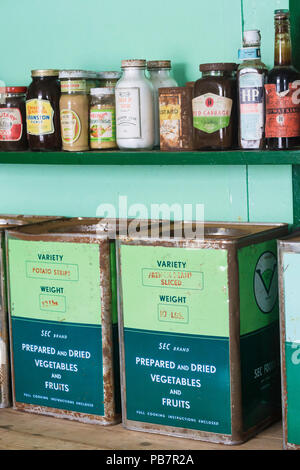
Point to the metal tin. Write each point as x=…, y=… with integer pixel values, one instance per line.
x=198, y=319
x=288, y=273
x=65, y=334
x=8, y=222
x=176, y=118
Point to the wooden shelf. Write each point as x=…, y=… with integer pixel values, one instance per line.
x=154, y=157
x=27, y=431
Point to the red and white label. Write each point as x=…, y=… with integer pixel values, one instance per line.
x=10, y=124
x=282, y=112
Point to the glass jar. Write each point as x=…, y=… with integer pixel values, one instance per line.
x=108, y=79
x=74, y=110
x=42, y=111
x=160, y=77
x=102, y=118
x=214, y=107
x=13, y=118
x=134, y=107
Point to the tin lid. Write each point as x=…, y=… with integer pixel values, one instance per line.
x=109, y=75
x=158, y=64
x=13, y=89
x=222, y=66
x=138, y=63
x=251, y=38
x=72, y=74
x=45, y=73
x=102, y=91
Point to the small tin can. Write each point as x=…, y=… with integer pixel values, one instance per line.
x=202, y=359
x=176, y=118
x=8, y=222
x=289, y=271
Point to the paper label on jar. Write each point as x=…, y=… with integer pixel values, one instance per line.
x=73, y=85
x=251, y=94
x=211, y=112
x=128, y=113
x=102, y=125
x=39, y=117
x=10, y=124
x=70, y=126
x=282, y=112
x=170, y=119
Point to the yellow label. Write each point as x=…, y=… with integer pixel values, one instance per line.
x=39, y=117
x=170, y=111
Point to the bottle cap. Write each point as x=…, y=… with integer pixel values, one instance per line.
x=45, y=73
x=281, y=14
x=109, y=75
x=223, y=66
x=137, y=63
x=13, y=89
x=158, y=64
x=251, y=38
x=102, y=91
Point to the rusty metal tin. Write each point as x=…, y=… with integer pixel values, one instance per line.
x=288, y=274
x=8, y=222
x=176, y=118
x=197, y=320
x=70, y=346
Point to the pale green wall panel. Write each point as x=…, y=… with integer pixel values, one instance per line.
x=77, y=191
x=270, y=193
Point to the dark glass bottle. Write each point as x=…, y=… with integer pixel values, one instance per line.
x=282, y=112
x=42, y=111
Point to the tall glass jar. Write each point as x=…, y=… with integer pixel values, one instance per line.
x=102, y=118
x=74, y=110
x=42, y=111
x=134, y=107
x=160, y=77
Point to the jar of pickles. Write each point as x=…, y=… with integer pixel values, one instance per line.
x=102, y=118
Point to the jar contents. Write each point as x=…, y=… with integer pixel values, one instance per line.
x=251, y=78
x=176, y=118
x=42, y=111
x=213, y=107
x=102, y=118
x=160, y=76
x=74, y=110
x=134, y=107
x=13, y=118
x=108, y=79
x=282, y=111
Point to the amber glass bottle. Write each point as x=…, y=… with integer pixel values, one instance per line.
x=282, y=110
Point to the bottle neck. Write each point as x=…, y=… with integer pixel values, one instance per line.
x=159, y=73
x=134, y=72
x=283, y=46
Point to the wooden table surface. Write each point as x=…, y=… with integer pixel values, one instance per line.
x=27, y=431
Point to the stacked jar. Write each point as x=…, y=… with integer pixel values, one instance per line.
x=134, y=107
x=160, y=77
x=74, y=110
x=13, y=118
x=102, y=118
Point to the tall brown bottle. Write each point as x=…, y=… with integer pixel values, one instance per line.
x=282, y=107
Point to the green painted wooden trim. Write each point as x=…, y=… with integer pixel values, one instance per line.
x=296, y=195
x=155, y=157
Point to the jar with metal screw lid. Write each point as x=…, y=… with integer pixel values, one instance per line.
x=102, y=118
x=13, y=118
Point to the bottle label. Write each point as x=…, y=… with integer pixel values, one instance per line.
x=170, y=120
x=102, y=125
x=251, y=94
x=39, y=117
x=247, y=53
x=70, y=126
x=282, y=112
x=78, y=86
x=10, y=124
x=211, y=112
x=128, y=113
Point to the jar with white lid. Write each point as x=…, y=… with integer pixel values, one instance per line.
x=134, y=107
x=74, y=110
x=160, y=76
x=102, y=118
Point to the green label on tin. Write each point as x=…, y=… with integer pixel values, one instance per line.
x=56, y=324
x=259, y=327
x=176, y=337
